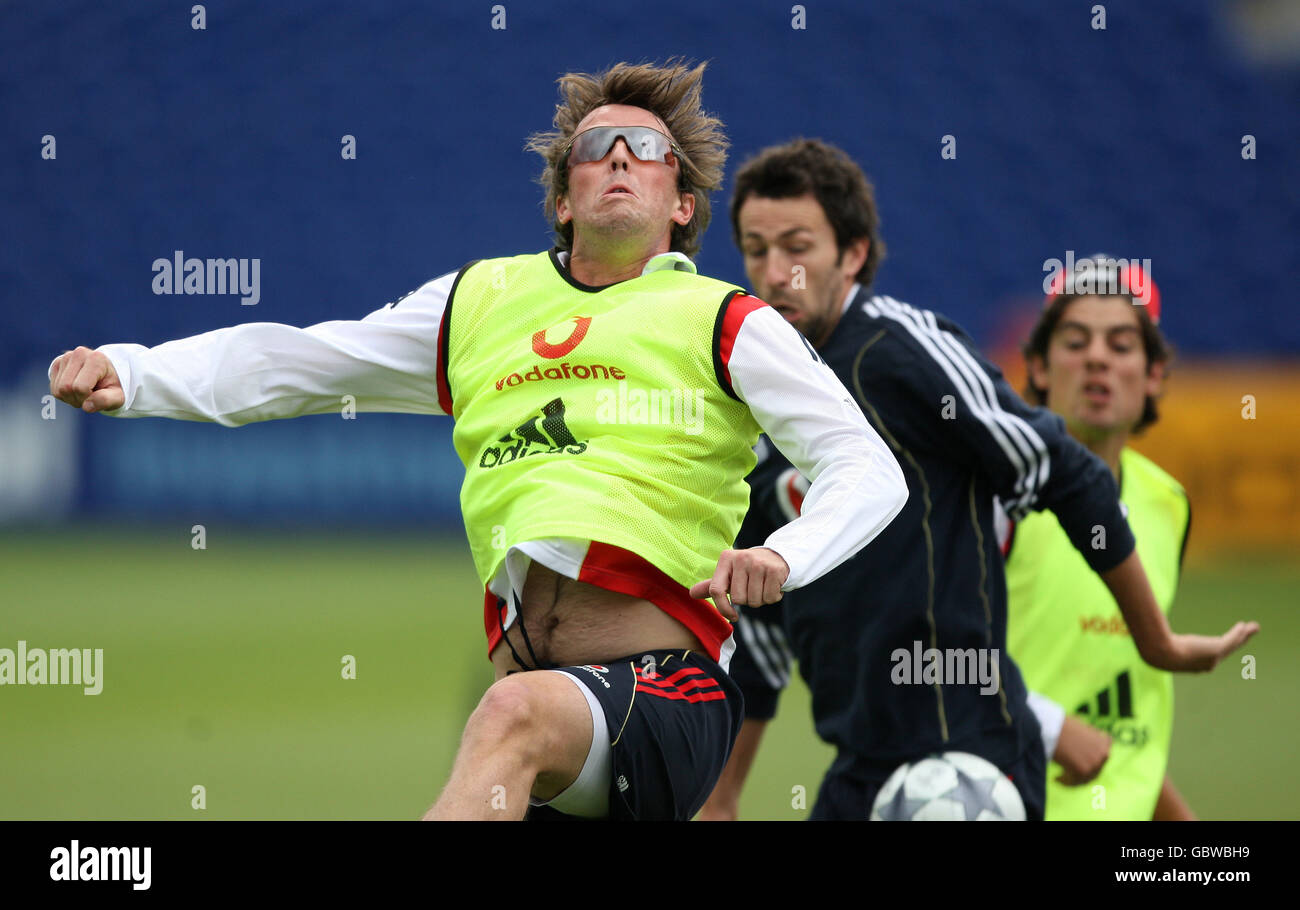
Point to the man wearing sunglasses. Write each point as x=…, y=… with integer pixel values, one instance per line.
x=606, y=400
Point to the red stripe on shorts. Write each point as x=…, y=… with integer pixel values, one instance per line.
x=678, y=696
x=682, y=687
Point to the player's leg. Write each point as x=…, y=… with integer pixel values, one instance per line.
x=675, y=737
x=724, y=802
x=530, y=735
x=760, y=667
x=670, y=720
x=588, y=796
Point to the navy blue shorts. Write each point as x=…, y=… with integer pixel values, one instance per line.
x=845, y=796
x=673, y=717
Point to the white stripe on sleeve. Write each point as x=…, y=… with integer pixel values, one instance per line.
x=1024, y=449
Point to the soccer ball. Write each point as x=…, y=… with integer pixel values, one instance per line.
x=954, y=786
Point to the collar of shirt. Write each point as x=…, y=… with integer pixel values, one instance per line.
x=853, y=292
x=677, y=261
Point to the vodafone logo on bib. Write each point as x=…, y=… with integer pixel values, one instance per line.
x=544, y=348
x=576, y=326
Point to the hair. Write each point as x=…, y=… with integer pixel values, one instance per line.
x=672, y=93
x=1154, y=343
x=805, y=166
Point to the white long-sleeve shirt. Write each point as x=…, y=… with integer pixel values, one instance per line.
x=389, y=362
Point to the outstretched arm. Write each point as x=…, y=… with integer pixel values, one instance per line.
x=1034, y=463
x=387, y=361
x=1155, y=641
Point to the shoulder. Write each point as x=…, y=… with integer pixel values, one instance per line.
x=737, y=305
x=1148, y=486
x=913, y=321
x=1147, y=483
x=765, y=332
x=704, y=282
x=1149, y=475
x=497, y=265
x=432, y=295
x=480, y=282
x=909, y=342
x=727, y=304
x=911, y=328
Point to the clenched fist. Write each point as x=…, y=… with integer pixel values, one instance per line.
x=86, y=379
x=1081, y=751
x=753, y=577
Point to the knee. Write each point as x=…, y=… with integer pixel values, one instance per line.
x=509, y=712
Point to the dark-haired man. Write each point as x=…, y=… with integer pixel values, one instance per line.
x=1098, y=359
x=596, y=530
x=932, y=583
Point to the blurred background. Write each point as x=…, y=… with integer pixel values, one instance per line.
x=128, y=134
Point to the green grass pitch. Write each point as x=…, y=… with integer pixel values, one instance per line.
x=223, y=669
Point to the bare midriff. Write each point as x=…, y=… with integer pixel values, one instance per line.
x=571, y=623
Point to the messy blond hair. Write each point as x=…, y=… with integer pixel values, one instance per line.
x=670, y=92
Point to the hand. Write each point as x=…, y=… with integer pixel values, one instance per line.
x=1200, y=653
x=750, y=577
x=1081, y=752
x=86, y=379
x=1156, y=642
